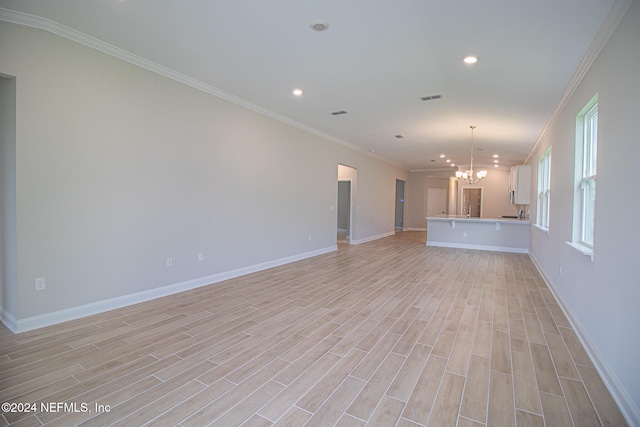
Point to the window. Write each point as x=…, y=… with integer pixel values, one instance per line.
x=544, y=190
x=586, y=160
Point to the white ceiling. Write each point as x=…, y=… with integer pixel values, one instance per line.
x=376, y=60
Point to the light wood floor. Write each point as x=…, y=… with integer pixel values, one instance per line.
x=384, y=333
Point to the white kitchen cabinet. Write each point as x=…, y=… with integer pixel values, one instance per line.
x=520, y=185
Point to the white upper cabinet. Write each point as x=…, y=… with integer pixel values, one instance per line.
x=520, y=185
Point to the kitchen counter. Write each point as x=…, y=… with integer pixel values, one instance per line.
x=492, y=234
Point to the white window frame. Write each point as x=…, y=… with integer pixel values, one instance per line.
x=544, y=190
x=589, y=170
x=585, y=178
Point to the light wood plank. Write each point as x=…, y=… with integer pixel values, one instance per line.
x=545, y=370
x=556, y=412
x=501, y=404
x=424, y=394
x=524, y=384
x=561, y=357
x=337, y=403
x=582, y=411
x=476, y=390
x=447, y=404
x=406, y=379
x=501, y=352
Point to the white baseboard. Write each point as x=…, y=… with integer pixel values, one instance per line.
x=9, y=320
x=48, y=319
x=627, y=406
x=479, y=247
x=369, y=239
x=415, y=229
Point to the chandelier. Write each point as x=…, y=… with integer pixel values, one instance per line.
x=467, y=175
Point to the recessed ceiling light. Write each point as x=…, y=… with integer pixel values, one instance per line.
x=319, y=25
x=495, y=166
x=448, y=160
x=442, y=156
x=496, y=161
x=495, y=156
x=471, y=59
x=297, y=92
x=452, y=164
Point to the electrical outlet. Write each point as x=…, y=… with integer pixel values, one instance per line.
x=169, y=262
x=201, y=256
x=40, y=284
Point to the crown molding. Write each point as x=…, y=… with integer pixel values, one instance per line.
x=94, y=43
x=607, y=28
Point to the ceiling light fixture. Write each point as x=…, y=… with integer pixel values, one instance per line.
x=471, y=59
x=319, y=25
x=468, y=174
x=297, y=92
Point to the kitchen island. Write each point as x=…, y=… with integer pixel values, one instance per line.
x=489, y=234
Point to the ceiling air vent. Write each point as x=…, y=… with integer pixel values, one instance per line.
x=338, y=113
x=399, y=136
x=431, y=97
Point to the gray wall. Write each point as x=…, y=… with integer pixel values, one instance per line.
x=601, y=295
x=119, y=168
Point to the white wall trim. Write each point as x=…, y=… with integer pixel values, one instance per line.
x=9, y=320
x=40, y=321
x=369, y=239
x=416, y=229
x=87, y=40
x=479, y=247
x=628, y=408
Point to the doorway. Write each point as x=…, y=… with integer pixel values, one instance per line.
x=472, y=202
x=399, y=224
x=347, y=185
